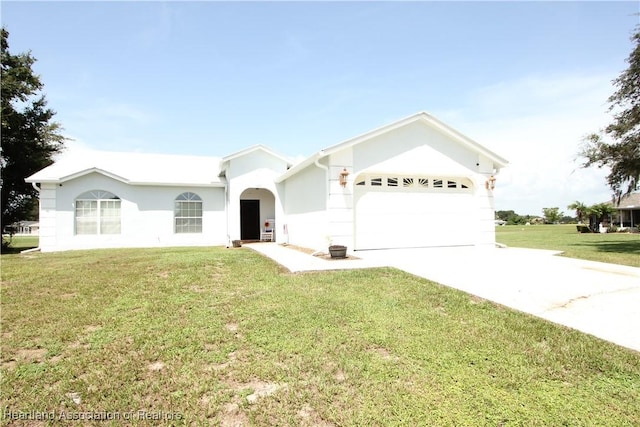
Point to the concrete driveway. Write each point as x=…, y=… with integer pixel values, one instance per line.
x=596, y=298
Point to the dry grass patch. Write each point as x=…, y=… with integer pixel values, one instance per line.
x=309, y=417
x=228, y=339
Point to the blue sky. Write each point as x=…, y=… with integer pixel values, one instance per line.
x=526, y=79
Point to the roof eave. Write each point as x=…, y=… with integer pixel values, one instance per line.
x=34, y=178
x=300, y=166
x=180, y=184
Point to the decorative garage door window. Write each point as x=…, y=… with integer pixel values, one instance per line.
x=188, y=213
x=413, y=183
x=97, y=212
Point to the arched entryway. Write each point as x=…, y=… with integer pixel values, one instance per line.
x=256, y=206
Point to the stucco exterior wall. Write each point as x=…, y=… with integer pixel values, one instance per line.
x=305, y=208
x=48, y=217
x=147, y=217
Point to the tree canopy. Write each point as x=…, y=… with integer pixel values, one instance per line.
x=552, y=215
x=622, y=152
x=29, y=136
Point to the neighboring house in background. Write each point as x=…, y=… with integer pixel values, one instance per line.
x=628, y=211
x=25, y=227
x=413, y=183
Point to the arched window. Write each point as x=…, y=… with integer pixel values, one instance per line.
x=97, y=212
x=188, y=213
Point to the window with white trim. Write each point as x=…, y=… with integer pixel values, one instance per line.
x=97, y=212
x=188, y=213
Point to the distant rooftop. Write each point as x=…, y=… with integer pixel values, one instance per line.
x=630, y=201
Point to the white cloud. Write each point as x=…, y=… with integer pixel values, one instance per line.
x=108, y=125
x=158, y=26
x=72, y=146
x=110, y=111
x=538, y=124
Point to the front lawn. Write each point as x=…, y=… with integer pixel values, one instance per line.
x=213, y=336
x=616, y=248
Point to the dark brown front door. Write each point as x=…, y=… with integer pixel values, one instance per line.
x=250, y=219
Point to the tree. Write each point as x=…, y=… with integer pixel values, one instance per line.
x=622, y=154
x=29, y=136
x=552, y=215
x=580, y=208
x=509, y=216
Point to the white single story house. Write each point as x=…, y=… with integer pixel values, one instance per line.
x=412, y=183
x=25, y=228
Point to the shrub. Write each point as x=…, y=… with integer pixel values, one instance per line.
x=583, y=228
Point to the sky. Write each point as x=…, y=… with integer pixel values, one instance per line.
x=528, y=80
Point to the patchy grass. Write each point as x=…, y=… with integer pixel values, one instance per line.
x=224, y=337
x=616, y=248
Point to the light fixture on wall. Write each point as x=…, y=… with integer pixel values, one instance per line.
x=490, y=184
x=343, y=177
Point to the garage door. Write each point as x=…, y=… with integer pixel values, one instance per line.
x=413, y=211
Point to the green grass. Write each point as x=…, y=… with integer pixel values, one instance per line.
x=616, y=248
x=201, y=332
x=20, y=243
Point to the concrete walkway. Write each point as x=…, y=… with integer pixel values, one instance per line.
x=597, y=298
x=296, y=261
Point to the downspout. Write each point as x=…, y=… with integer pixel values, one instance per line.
x=36, y=249
x=226, y=208
x=226, y=211
x=326, y=180
x=320, y=165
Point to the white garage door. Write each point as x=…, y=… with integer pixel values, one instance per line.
x=413, y=211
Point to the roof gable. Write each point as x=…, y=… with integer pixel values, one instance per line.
x=254, y=148
x=422, y=117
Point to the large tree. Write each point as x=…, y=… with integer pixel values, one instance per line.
x=621, y=150
x=29, y=136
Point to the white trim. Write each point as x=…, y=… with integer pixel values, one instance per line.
x=258, y=147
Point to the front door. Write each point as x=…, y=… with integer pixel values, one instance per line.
x=250, y=219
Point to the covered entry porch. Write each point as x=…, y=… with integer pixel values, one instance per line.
x=257, y=210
